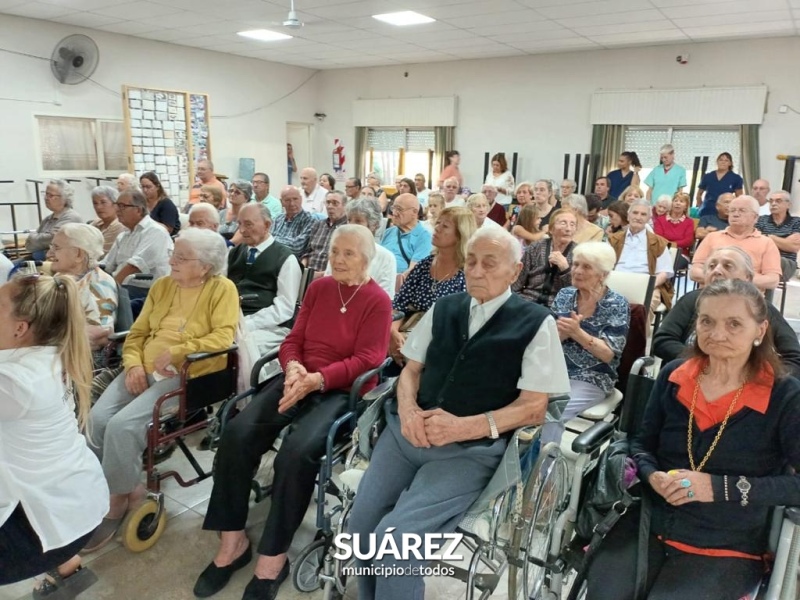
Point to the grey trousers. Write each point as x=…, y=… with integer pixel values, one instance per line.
x=417, y=491
x=789, y=267
x=118, y=430
x=582, y=396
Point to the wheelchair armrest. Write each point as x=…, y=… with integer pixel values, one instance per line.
x=355, y=391
x=247, y=298
x=591, y=439
x=398, y=315
x=793, y=514
x=641, y=363
x=118, y=336
x=197, y=356
x=144, y=276
x=387, y=387
x=259, y=364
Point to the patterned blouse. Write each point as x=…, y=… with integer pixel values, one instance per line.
x=99, y=298
x=420, y=290
x=609, y=323
x=534, y=282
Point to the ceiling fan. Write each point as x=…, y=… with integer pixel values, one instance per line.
x=292, y=21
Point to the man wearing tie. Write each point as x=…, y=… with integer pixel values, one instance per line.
x=267, y=276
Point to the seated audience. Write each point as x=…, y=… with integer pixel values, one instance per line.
x=597, y=216
x=677, y=330
x=545, y=201
x=585, y=231
x=327, y=181
x=523, y=195
x=592, y=323
x=368, y=192
x=52, y=491
x=435, y=276
x=127, y=182
x=382, y=269
x=422, y=192
x=342, y=331
x=479, y=205
x=239, y=194
x=457, y=404
x=642, y=251
x=313, y=195
x=315, y=255
x=144, y=248
x=675, y=225
x=104, y=200
x=435, y=208
x=407, y=238
x=212, y=195
x=497, y=211
x=626, y=175
x=403, y=185
x=159, y=205
x=741, y=231
x=527, y=222
x=568, y=187
x=450, y=190
x=631, y=194
x=266, y=269
x=760, y=191
x=75, y=250
x=602, y=188
x=501, y=179
x=58, y=198
x=204, y=216
x=546, y=264
x=617, y=217
x=352, y=189
x=661, y=207
x=721, y=181
x=717, y=221
x=260, y=193
x=293, y=226
x=194, y=309
x=373, y=181
x=204, y=172
x=711, y=504
x=783, y=229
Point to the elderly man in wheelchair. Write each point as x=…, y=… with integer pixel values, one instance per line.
x=480, y=365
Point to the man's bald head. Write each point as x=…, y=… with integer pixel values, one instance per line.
x=760, y=191
x=308, y=179
x=291, y=200
x=405, y=211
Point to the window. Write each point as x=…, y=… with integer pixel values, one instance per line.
x=688, y=142
x=396, y=152
x=70, y=145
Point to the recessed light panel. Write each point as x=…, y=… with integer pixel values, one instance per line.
x=406, y=17
x=264, y=35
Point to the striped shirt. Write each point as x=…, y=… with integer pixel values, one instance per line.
x=317, y=248
x=790, y=225
x=293, y=233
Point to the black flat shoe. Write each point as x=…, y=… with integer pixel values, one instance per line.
x=265, y=589
x=214, y=578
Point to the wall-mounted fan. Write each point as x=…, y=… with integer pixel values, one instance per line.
x=74, y=59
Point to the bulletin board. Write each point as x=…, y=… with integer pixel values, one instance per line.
x=168, y=132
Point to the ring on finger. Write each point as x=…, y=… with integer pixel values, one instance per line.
x=686, y=483
x=690, y=494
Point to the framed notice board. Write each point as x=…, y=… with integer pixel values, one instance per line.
x=168, y=132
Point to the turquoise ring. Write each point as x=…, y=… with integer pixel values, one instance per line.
x=690, y=494
x=686, y=483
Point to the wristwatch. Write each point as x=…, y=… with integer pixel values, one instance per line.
x=744, y=487
x=493, y=433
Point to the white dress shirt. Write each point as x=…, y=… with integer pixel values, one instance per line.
x=544, y=369
x=383, y=269
x=763, y=209
x=147, y=248
x=315, y=201
x=265, y=324
x=633, y=258
x=45, y=463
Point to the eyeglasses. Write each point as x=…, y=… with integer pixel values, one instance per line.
x=123, y=206
x=738, y=211
x=257, y=182
x=46, y=195
x=398, y=209
x=234, y=193
x=178, y=258
x=776, y=200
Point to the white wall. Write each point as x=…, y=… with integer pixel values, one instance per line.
x=539, y=105
x=234, y=84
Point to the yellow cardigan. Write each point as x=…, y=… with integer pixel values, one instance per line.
x=211, y=326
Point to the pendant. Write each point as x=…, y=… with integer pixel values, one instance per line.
x=343, y=310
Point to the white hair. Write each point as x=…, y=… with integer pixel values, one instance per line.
x=499, y=235
x=105, y=191
x=366, y=239
x=205, y=207
x=67, y=191
x=668, y=148
x=210, y=248
x=751, y=202
x=598, y=254
x=578, y=203
x=664, y=198
x=130, y=181
x=640, y=202
x=86, y=238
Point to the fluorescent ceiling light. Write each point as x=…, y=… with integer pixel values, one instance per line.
x=264, y=35
x=406, y=17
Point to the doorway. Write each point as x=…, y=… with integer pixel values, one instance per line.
x=299, y=136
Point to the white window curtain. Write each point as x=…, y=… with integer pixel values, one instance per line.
x=115, y=153
x=68, y=144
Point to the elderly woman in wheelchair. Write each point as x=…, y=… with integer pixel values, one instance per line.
x=341, y=331
x=194, y=309
x=592, y=323
x=458, y=401
x=718, y=447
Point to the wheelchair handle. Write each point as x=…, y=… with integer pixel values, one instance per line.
x=259, y=364
x=641, y=363
x=355, y=390
x=197, y=356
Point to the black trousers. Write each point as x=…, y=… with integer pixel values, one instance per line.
x=671, y=574
x=21, y=552
x=247, y=437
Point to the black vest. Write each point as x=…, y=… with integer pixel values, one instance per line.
x=260, y=278
x=469, y=376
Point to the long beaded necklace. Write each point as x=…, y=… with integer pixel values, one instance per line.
x=721, y=427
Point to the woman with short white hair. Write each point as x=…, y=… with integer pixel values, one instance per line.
x=104, y=202
x=58, y=196
x=75, y=250
x=585, y=231
x=592, y=323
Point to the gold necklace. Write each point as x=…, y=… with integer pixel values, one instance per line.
x=344, y=304
x=721, y=427
x=436, y=282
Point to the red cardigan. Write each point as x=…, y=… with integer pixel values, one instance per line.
x=498, y=214
x=681, y=234
x=340, y=346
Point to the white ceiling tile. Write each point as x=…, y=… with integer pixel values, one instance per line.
x=634, y=16
x=598, y=7
x=447, y=45
x=130, y=27
x=520, y=16
x=87, y=5
x=4, y=4
x=514, y=28
x=355, y=9
x=662, y=25
x=545, y=3
x=736, y=18
x=634, y=38
x=184, y=19
x=166, y=35
x=469, y=9
x=519, y=38
x=741, y=30
x=38, y=10
x=137, y=10
x=713, y=10
x=671, y=3
x=555, y=45
x=85, y=19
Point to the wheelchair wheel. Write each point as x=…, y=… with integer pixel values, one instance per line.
x=139, y=531
x=543, y=497
x=307, y=567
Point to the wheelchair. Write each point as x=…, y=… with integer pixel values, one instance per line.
x=144, y=525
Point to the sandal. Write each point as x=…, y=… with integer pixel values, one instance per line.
x=56, y=587
x=104, y=533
